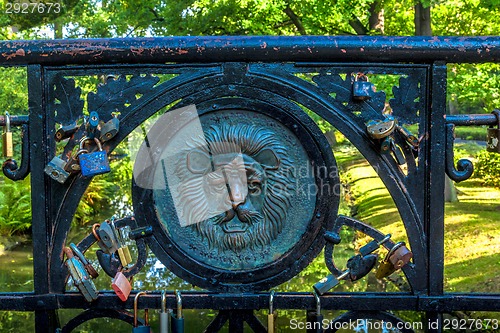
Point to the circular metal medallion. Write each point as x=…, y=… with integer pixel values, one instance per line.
x=236, y=197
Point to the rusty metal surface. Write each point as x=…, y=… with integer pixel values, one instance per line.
x=251, y=48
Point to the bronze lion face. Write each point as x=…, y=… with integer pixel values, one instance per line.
x=235, y=186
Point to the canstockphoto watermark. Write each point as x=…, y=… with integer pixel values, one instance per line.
x=358, y=325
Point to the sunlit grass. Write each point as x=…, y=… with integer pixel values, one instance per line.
x=472, y=226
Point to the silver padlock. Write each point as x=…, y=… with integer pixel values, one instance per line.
x=55, y=169
x=109, y=129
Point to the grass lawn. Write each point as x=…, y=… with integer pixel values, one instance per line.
x=472, y=225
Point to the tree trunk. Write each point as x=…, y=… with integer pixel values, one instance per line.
x=376, y=20
x=422, y=20
x=58, y=31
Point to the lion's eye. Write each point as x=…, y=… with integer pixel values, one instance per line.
x=254, y=186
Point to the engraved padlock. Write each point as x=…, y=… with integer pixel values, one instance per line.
x=142, y=328
x=56, y=169
x=7, y=140
x=379, y=129
x=109, y=129
x=121, y=285
x=493, y=136
x=95, y=163
x=362, y=89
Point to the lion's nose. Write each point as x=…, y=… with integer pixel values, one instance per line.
x=237, y=193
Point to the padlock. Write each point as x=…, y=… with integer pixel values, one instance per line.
x=56, y=170
x=359, y=266
x=271, y=316
x=121, y=285
x=107, y=239
x=379, y=129
x=411, y=139
x=88, y=266
x=66, y=131
x=177, y=320
x=330, y=281
x=95, y=163
x=493, y=136
x=143, y=328
x=92, y=124
x=7, y=140
x=400, y=256
x=373, y=245
x=123, y=250
x=80, y=277
x=314, y=317
x=110, y=263
x=164, y=314
x=109, y=129
x=362, y=89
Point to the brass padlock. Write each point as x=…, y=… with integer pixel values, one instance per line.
x=362, y=89
x=379, y=129
x=493, y=136
x=7, y=140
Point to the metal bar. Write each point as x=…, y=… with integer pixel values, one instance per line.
x=434, y=208
x=258, y=301
x=472, y=119
x=14, y=120
x=45, y=319
x=203, y=49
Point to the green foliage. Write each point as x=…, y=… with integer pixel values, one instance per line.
x=15, y=206
x=13, y=90
x=474, y=88
x=487, y=168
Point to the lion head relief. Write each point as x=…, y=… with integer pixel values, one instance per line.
x=235, y=186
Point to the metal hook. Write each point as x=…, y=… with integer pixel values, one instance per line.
x=465, y=168
x=318, y=302
x=136, y=301
x=179, y=303
x=163, y=301
x=7, y=121
x=271, y=301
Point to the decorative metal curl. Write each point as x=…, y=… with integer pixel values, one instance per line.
x=357, y=225
x=465, y=168
x=90, y=314
x=10, y=168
